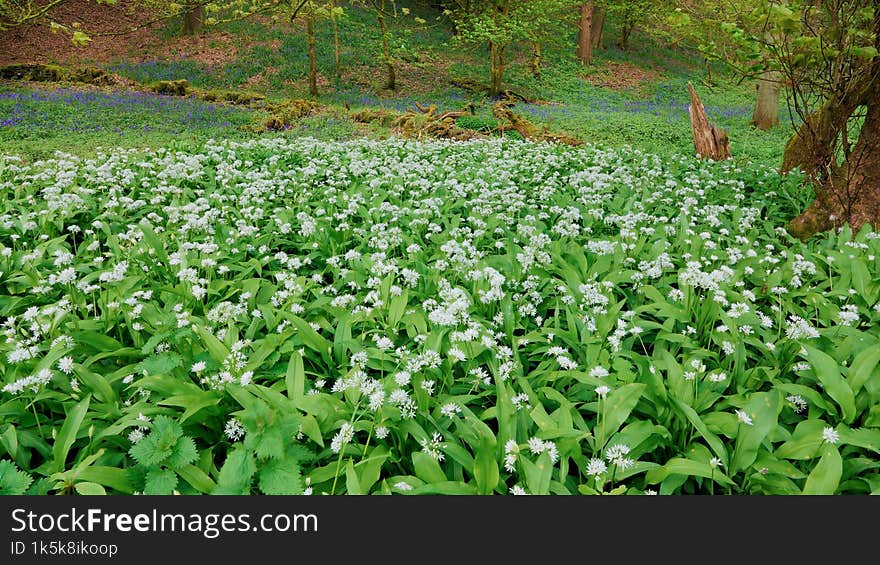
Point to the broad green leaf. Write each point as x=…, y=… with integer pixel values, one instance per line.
x=486, y=465
x=689, y=468
x=67, y=435
x=537, y=474
x=427, y=468
x=112, y=477
x=86, y=488
x=825, y=476
x=804, y=443
x=828, y=373
x=698, y=424
x=295, y=377
x=864, y=366
x=763, y=409
x=617, y=407
x=197, y=478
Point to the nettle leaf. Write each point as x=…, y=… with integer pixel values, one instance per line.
x=160, y=364
x=183, y=453
x=281, y=476
x=236, y=474
x=160, y=481
x=12, y=480
x=159, y=446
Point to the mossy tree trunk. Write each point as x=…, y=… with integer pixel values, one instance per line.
x=496, y=55
x=391, y=76
x=847, y=191
x=192, y=18
x=536, y=59
x=313, y=58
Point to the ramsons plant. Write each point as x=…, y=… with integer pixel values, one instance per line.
x=287, y=316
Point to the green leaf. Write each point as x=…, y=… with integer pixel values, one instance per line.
x=825, y=476
x=295, y=377
x=370, y=468
x=281, y=476
x=183, y=454
x=192, y=402
x=86, y=488
x=112, y=477
x=537, y=474
x=864, y=365
x=160, y=481
x=828, y=373
x=688, y=468
x=67, y=436
x=215, y=347
x=763, y=408
x=427, y=468
x=160, y=364
x=352, y=482
x=698, y=424
x=197, y=478
x=12, y=480
x=311, y=338
x=805, y=441
x=486, y=471
x=618, y=406
x=236, y=473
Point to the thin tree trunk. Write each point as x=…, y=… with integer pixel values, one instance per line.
x=313, y=59
x=391, y=77
x=597, y=30
x=192, y=19
x=536, y=59
x=585, y=33
x=336, y=69
x=496, y=56
x=766, y=114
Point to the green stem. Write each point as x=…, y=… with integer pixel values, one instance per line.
x=338, y=466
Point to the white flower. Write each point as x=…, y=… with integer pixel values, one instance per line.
x=65, y=365
x=743, y=417
x=603, y=391
x=198, y=367
x=233, y=429
x=830, y=435
x=596, y=467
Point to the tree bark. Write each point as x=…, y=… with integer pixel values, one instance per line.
x=710, y=141
x=391, y=76
x=766, y=113
x=597, y=29
x=585, y=34
x=192, y=19
x=536, y=59
x=313, y=59
x=496, y=54
x=336, y=69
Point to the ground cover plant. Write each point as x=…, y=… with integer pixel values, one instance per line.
x=294, y=316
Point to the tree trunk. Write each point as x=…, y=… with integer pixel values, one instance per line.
x=597, y=29
x=585, y=33
x=536, y=59
x=849, y=192
x=496, y=53
x=710, y=141
x=336, y=70
x=766, y=114
x=313, y=59
x=192, y=19
x=391, y=77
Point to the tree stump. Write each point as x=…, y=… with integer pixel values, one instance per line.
x=711, y=142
